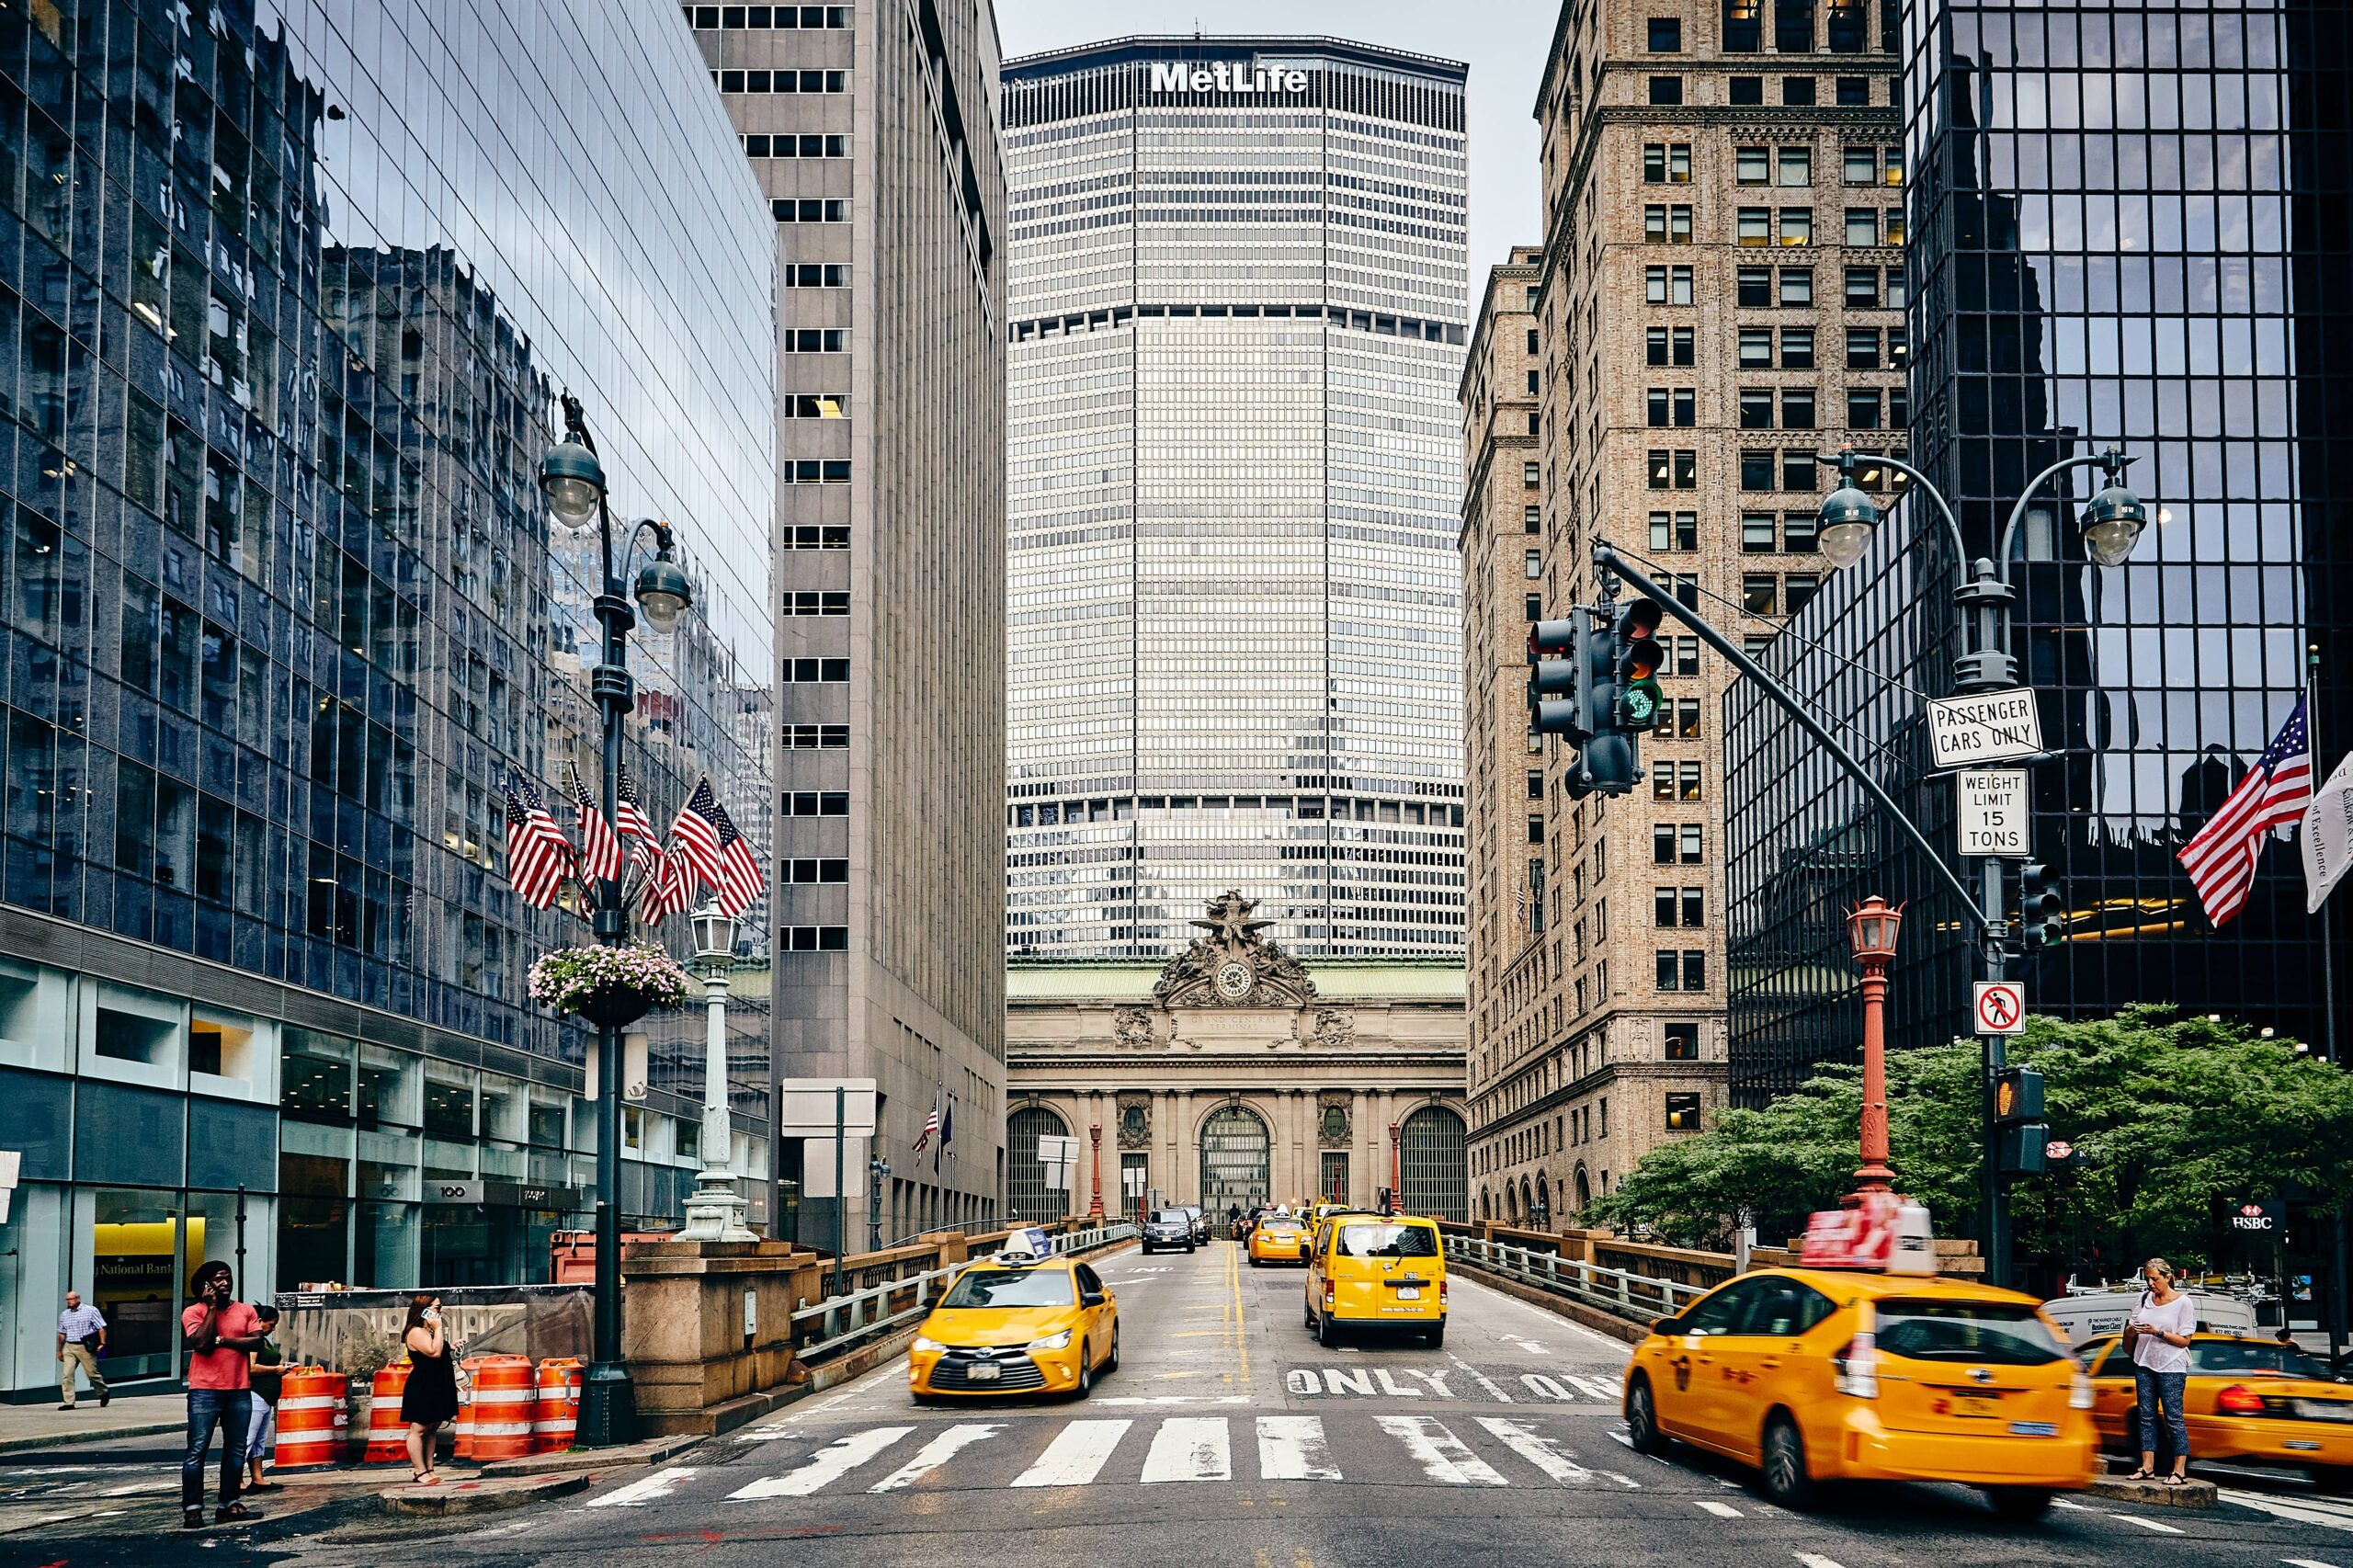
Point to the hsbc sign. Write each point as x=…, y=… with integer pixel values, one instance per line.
x=2269, y=1216
x=1224, y=76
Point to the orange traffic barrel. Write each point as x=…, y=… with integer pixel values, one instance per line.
x=463, y=1428
x=387, y=1433
x=504, y=1394
x=556, y=1417
x=312, y=1416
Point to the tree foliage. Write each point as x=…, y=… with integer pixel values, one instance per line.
x=2170, y=1118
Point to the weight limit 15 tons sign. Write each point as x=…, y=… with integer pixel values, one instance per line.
x=1990, y=812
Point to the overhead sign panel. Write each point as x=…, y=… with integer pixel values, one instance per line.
x=1966, y=731
x=806, y=1107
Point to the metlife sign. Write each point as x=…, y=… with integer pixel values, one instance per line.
x=1224, y=76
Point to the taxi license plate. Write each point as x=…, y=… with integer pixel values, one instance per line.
x=2325, y=1409
x=982, y=1372
x=1970, y=1404
x=1409, y=1292
x=2034, y=1428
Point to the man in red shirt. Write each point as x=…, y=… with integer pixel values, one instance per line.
x=218, y=1330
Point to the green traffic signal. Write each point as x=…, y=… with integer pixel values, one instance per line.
x=2043, y=915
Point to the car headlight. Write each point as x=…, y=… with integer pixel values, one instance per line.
x=1051, y=1341
x=928, y=1347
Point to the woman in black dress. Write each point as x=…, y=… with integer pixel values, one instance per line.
x=431, y=1396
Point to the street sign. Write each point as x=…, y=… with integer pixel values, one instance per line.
x=2000, y=1008
x=1059, y=1154
x=1989, y=812
x=2058, y=1148
x=2267, y=1216
x=806, y=1107
x=1966, y=731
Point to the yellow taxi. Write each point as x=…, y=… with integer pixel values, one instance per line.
x=1832, y=1374
x=1377, y=1271
x=1279, y=1237
x=1015, y=1325
x=2247, y=1401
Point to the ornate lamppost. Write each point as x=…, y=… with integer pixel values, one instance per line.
x=715, y=1209
x=1870, y=929
x=1094, y=1140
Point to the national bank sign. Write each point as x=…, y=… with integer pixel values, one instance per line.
x=1224, y=76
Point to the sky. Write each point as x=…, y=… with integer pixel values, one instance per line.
x=1502, y=40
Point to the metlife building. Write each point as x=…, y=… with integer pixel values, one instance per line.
x=1237, y=285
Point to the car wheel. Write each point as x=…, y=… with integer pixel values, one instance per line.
x=1435, y=1337
x=1642, y=1419
x=1308, y=1309
x=1111, y=1361
x=1786, y=1481
x=2334, y=1479
x=2020, y=1505
x=924, y=1399
x=1327, y=1333
x=1085, y=1371
x=1188, y=1249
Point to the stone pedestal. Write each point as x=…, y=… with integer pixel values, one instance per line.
x=683, y=1329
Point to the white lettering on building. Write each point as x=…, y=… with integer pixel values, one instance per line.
x=1224, y=76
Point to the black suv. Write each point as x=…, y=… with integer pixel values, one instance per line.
x=1168, y=1228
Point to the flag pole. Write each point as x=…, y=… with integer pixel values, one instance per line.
x=2337, y=1269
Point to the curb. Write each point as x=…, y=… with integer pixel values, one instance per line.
x=2157, y=1495
x=474, y=1498
x=568, y=1461
x=76, y=1440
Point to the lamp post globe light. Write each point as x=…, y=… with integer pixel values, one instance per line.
x=715, y=1209
x=571, y=479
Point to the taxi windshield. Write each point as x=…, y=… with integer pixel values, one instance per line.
x=1386, y=1241
x=2004, y=1333
x=1010, y=1288
x=2252, y=1356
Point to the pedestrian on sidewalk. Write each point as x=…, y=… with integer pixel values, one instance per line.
x=218, y=1330
x=431, y=1396
x=81, y=1340
x=264, y=1369
x=2158, y=1335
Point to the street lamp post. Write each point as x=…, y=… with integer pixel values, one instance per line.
x=573, y=480
x=1094, y=1156
x=877, y=1170
x=2111, y=523
x=715, y=1209
x=1871, y=927
x=1396, y=1168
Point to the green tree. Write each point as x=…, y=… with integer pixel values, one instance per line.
x=2170, y=1117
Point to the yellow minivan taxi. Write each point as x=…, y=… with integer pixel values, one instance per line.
x=1369, y=1270
x=1817, y=1375
x=1008, y=1326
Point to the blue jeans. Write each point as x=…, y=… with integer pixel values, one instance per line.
x=232, y=1410
x=2153, y=1389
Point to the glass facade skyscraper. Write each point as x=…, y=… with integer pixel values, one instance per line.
x=287, y=295
x=1237, y=283
x=2128, y=227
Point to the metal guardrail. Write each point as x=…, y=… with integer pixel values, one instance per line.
x=842, y=1321
x=1638, y=1297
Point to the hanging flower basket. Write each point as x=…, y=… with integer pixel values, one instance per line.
x=612, y=987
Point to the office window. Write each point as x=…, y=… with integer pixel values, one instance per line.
x=1760, y=593
x=1666, y=89
x=1678, y=225
x=1680, y=1042
x=1533, y=385
x=1794, y=166
x=1756, y=533
x=1684, y=586
x=1743, y=27
x=1655, y=285
x=1756, y=471
x=1535, y=607
x=1683, y=1113
x=1663, y=841
x=1654, y=403
x=1670, y=969
x=1862, y=286
x=1798, y=470
x=1798, y=532
x=1684, y=345
x=1664, y=904
x=1797, y=92
x=1745, y=90
x=1654, y=345
x=1654, y=222
x=1893, y=157
x=1752, y=226
x=1861, y=165
x=1535, y=784
x=1754, y=285
x=1531, y=519
x=1755, y=643
x=1679, y=285
x=1687, y=469
x=1530, y=476
x=1662, y=783
x=1797, y=408
x=1687, y=413
x=1690, y=836
x=1757, y=348
x=1797, y=285
x=1899, y=347
x=1862, y=408
x=1894, y=225
x=1695, y=970
x=1685, y=655
x=1797, y=590
x=1687, y=776
x=1659, y=466
x=1534, y=566
x=1862, y=348
x=1854, y=92
x=1753, y=166
x=1675, y=530
x=1667, y=164
x=1797, y=348
x=1849, y=30
x=1797, y=226
x=1897, y=295
x=1793, y=26
x=1686, y=718
x=1862, y=225
x=1667, y=35
x=1899, y=408
x=1535, y=830
x=1757, y=408
x=1654, y=163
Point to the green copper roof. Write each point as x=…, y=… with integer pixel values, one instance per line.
x=1338, y=979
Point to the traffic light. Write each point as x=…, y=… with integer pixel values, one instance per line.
x=2022, y=1150
x=1554, y=649
x=2019, y=1134
x=2017, y=1095
x=2042, y=918
x=1635, y=658
x=1599, y=689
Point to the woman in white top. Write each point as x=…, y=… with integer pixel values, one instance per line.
x=2158, y=1338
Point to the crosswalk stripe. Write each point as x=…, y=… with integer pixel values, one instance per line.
x=2157, y=1525
x=937, y=1452
x=1076, y=1455
x=1536, y=1449
x=1601, y=1389
x=826, y=1465
x=1190, y=1448
x=1720, y=1510
x=2306, y=1562
x=1815, y=1560
x=2303, y=1510
x=647, y=1489
x=1442, y=1456
x=1291, y=1448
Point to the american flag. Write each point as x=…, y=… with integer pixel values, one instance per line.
x=739, y=878
x=628, y=815
x=2222, y=858
x=665, y=890
x=930, y=1127
x=600, y=846
x=694, y=835
x=537, y=856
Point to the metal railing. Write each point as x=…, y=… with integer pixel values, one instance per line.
x=1638, y=1297
x=839, y=1321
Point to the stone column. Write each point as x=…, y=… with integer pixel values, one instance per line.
x=1184, y=1162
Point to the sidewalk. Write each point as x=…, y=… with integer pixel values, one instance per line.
x=25, y=1428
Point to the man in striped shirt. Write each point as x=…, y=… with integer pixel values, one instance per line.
x=81, y=1340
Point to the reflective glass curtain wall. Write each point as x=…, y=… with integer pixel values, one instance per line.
x=1237, y=323
x=2128, y=227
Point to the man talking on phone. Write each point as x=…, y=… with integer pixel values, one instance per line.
x=218, y=1330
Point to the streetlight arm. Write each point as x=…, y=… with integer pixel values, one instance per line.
x=1952, y=524
x=2111, y=461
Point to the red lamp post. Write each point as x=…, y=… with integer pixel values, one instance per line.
x=1870, y=928
x=1095, y=1139
x=1396, y=1169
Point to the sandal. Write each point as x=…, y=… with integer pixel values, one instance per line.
x=2176, y=1482
x=2142, y=1474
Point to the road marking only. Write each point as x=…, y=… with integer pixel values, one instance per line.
x=1443, y=1455
x=829, y=1464
x=649, y=1489
x=1076, y=1455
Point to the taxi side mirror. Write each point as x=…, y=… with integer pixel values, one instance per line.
x=1669, y=1326
x=1092, y=1298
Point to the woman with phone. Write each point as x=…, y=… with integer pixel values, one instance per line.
x=2158, y=1336
x=431, y=1396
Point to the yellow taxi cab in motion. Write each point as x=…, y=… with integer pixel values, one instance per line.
x=1376, y=1272
x=1835, y=1374
x=1279, y=1237
x=2247, y=1401
x=1017, y=1324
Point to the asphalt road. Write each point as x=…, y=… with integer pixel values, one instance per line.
x=1228, y=1436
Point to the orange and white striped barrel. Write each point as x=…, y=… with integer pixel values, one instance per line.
x=504, y=1395
x=311, y=1418
x=387, y=1433
x=463, y=1428
x=556, y=1417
